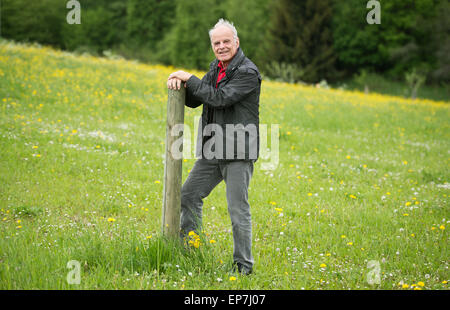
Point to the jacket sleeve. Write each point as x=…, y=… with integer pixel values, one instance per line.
x=243, y=83
x=192, y=101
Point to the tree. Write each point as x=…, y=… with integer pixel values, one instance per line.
x=101, y=28
x=406, y=38
x=148, y=21
x=440, y=45
x=187, y=44
x=299, y=33
x=38, y=21
x=356, y=43
x=250, y=17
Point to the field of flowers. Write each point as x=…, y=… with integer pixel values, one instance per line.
x=359, y=199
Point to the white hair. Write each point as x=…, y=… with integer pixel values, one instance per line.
x=224, y=22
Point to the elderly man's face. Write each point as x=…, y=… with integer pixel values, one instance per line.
x=223, y=44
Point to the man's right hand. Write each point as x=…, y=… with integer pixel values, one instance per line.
x=174, y=83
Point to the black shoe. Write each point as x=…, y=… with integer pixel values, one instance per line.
x=241, y=269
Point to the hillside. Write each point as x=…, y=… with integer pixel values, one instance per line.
x=360, y=178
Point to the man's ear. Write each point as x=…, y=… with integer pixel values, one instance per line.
x=237, y=42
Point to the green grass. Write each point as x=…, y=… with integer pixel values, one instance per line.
x=382, y=85
x=360, y=178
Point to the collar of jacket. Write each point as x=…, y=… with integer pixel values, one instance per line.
x=233, y=65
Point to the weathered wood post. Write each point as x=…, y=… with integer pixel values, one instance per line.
x=173, y=164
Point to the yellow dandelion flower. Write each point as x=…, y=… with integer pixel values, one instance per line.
x=343, y=236
x=405, y=286
x=417, y=288
x=442, y=227
x=35, y=146
x=110, y=219
x=352, y=196
x=323, y=266
x=408, y=203
x=420, y=283
x=149, y=237
x=212, y=241
x=157, y=181
x=232, y=278
x=349, y=243
x=444, y=282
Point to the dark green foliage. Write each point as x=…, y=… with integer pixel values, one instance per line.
x=327, y=39
x=439, y=27
x=90, y=32
x=188, y=44
x=300, y=33
x=148, y=21
x=250, y=18
x=38, y=21
x=101, y=28
x=410, y=35
x=356, y=43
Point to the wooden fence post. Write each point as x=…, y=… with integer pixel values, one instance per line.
x=173, y=165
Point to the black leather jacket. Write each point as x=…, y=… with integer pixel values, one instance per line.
x=231, y=110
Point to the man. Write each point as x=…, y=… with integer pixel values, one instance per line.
x=229, y=93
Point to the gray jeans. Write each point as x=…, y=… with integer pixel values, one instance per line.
x=204, y=177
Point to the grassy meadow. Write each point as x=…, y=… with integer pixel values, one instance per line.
x=361, y=188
